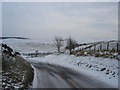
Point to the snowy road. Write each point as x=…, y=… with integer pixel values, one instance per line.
x=49, y=76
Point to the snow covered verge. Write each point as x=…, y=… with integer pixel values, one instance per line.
x=103, y=69
x=16, y=72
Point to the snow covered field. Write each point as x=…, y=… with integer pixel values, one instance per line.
x=103, y=69
x=99, y=45
x=28, y=45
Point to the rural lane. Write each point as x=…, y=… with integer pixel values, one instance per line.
x=51, y=76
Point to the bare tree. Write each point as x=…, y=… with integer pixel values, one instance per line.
x=58, y=42
x=71, y=44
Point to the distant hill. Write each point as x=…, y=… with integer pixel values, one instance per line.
x=13, y=38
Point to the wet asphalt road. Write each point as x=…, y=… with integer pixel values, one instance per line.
x=50, y=76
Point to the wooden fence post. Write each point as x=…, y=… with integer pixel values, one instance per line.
x=90, y=49
x=94, y=47
x=107, y=46
x=117, y=47
x=100, y=47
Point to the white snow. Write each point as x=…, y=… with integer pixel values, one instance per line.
x=28, y=45
x=34, y=84
x=103, y=69
x=112, y=45
x=88, y=65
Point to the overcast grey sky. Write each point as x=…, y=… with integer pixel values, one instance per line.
x=84, y=21
x=0, y=19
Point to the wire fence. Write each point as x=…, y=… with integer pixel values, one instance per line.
x=112, y=46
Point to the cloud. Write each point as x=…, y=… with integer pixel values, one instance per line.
x=45, y=20
x=0, y=19
x=60, y=0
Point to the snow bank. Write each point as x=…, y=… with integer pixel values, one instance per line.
x=103, y=69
